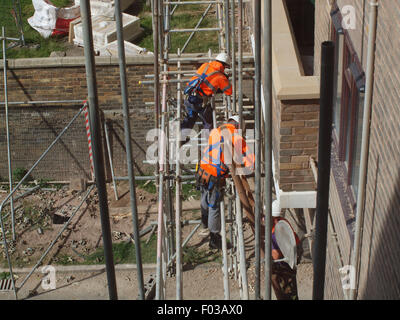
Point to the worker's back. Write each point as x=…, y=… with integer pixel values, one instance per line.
x=225, y=145
x=215, y=80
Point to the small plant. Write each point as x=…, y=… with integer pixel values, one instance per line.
x=194, y=256
x=148, y=186
x=19, y=173
x=4, y=275
x=190, y=190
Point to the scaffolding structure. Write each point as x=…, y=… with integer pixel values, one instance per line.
x=169, y=246
x=168, y=80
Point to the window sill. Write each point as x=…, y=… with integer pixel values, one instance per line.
x=287, y=70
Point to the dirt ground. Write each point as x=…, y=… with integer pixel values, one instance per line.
x=36, y=229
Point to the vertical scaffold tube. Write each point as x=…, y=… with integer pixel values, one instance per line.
x=160, y=233
x=242, y=251
x=10, y=181
x=156, y=67
x=257, y=118
x=240, y=61
x=233, y=62
x=128, y=146
x=224, y=253
x=226, y=24
x=178, y=200
x=97, y=147
x=169, y=215
x=267, y=40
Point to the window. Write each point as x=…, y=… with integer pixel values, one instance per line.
x=348, y=102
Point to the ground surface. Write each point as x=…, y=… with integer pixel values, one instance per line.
x=202, y=277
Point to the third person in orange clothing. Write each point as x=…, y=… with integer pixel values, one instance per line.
x=213, y=169
x=208, y=80
x=283, y=277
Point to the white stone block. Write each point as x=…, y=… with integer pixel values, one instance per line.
x=104, y=30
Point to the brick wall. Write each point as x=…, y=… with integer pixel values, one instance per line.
x=34, y=128
x=298, y=141
x=380, y=260
x=380, y=245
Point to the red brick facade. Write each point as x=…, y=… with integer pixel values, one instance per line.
x=380, y=251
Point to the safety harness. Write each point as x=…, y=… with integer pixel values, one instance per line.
x=203, y=177
x=194, y=85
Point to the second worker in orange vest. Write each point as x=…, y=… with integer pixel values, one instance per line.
x=212, y=80
x=213, y=169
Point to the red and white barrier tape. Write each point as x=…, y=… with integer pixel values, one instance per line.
x=89, y=137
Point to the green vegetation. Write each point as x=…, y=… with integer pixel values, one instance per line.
x=194, y=256
x=36, y=217
x=19, y=173
x=148, y=186
x=184, y=17
x=32, y=37
x=4, y=275
x=124, y=252
x=190, y=190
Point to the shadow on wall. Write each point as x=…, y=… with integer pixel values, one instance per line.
x=68, y=152
x=118, y=150
x=383, y=269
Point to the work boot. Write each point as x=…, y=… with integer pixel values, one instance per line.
x=215, y=241
x=204, y=232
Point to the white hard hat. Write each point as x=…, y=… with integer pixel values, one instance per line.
x=276, y=208
x=234, y=118
x=223, y=57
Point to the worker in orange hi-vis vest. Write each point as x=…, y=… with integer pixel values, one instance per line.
x=213, y=169
x=209, y=80
x=283, y=277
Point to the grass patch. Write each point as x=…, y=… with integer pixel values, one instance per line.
x=45, y=46
x=184, y=17
x=4, y=275
x=194, y=256
x=190, y=190
x=148, y=186
x=124, y=252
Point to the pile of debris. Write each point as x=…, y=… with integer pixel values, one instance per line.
x=104, y=29
x=49, y=20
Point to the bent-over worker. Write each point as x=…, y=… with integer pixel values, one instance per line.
x=212, y=171
x=208, y=80
x=283, y=277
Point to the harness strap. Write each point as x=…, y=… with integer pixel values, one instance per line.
x=204, y=77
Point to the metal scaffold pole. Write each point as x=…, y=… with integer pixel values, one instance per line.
x=234, y=259
x=224, y=253
x=97, y=147
x=257, y=120
x=10, y=180
x=178, y=199
x=240, y=61
x=128, y=146
x=233, y=51
x=267, y=40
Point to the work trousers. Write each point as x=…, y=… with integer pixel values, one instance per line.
x=194, y=111
x=210, y=208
